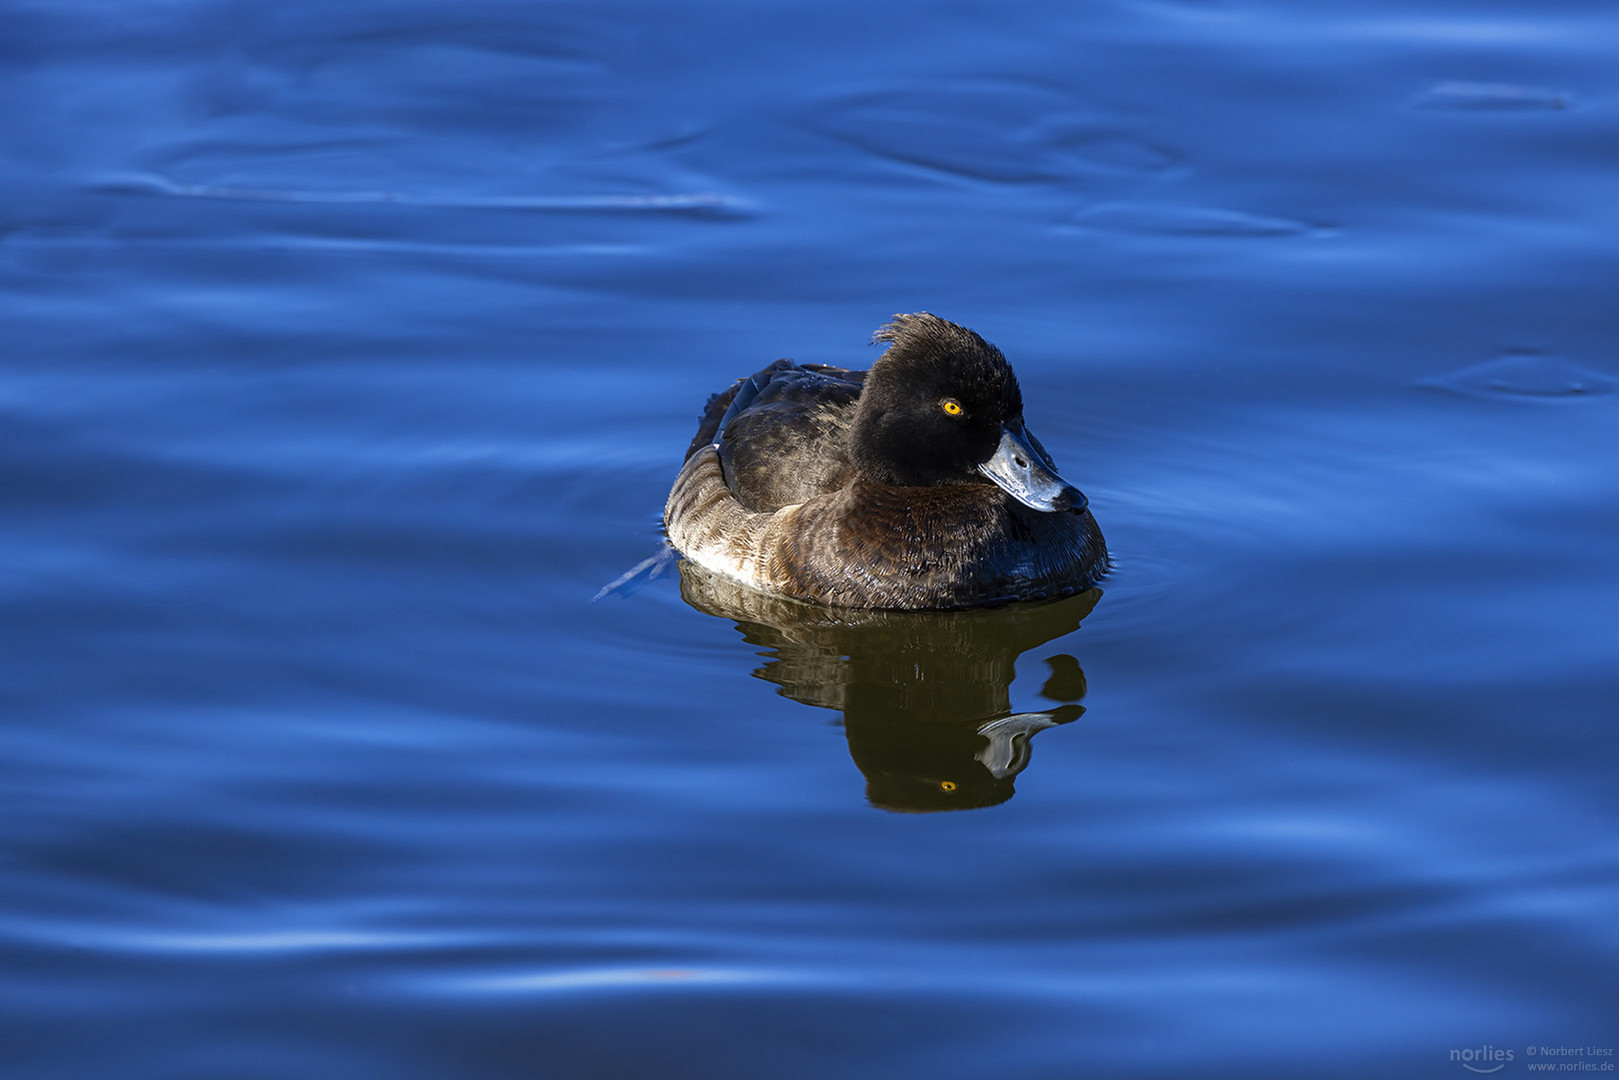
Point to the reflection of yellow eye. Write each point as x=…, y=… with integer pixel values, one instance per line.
x=951, y=406
x=948, y=785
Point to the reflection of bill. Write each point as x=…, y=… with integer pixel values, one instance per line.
x=925, y=696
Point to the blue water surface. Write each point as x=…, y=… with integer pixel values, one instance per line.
x=350, y=349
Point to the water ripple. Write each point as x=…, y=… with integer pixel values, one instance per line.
x=703, y=203
x=995, y=131
x=586, y=979
x=1173, y=220
x=1493, y=97
x=1524, y=375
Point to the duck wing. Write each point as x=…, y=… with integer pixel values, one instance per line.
x=783, y=433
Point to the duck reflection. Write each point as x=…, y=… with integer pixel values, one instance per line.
x=925, y=696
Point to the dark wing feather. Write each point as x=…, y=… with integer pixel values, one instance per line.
x=783, y=433
x=718, y=408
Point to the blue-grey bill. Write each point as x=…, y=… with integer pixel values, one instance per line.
x=1022, y=473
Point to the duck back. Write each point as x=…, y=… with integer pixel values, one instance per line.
x=791, y=441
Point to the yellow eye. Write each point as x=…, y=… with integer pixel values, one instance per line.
x=951, y=406
x=948, y=785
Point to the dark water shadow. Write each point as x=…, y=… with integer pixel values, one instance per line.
x=925, y=696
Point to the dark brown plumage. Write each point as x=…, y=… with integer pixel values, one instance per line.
x=874, y=489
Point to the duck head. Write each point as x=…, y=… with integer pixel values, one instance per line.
x=941, y=406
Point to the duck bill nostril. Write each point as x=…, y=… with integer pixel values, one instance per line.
x=1022, y=474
